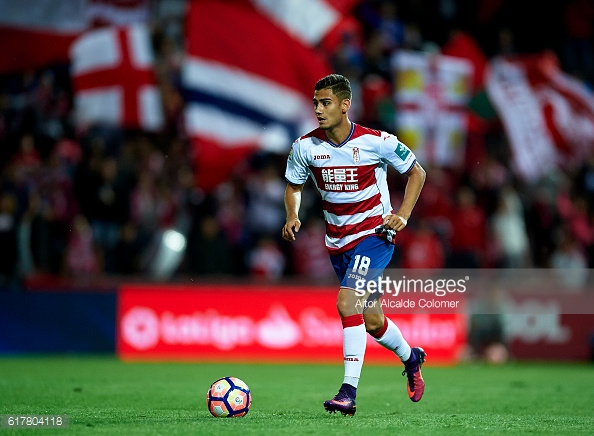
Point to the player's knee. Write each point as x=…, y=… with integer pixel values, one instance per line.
x=373, y=323
x=342, y=307
x=346, y=303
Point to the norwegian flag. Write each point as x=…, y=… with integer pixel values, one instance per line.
x=35, y=33
x=113, y=79
x=548, y=115
x=243, y=94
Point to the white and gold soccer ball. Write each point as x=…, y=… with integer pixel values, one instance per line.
x=228, y=397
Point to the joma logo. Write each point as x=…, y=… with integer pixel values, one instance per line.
x=321, y=156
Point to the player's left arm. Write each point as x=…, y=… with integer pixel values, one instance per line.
x=414, y=185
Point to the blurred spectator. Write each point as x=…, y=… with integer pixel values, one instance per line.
x=266, y=260
x=486, y=337
x=59, y=208
x=27, y=159
x=468, y=239
x=509, y=231
x=109, y=197
x=32, y=238
x=8, y=241
x=209, y=253
x=128, y=250
x=390, y=26
x=377, y=60
x=81, y=256
x=69, y=154
x=435, y=205
x=506, y=45
x=574, y=212
x=167, y=205
x=543, y=216
x=231, y=210
x=489, y=179
x=413, y=39
x=143, y=204
x=266, y=207
x=570, y=260
x=585, y=182
x=580, y=222
x=230, y=213
x=421, y=248
x=309, y=252
x=579, y=27
x=378, y=106
x=347, y=58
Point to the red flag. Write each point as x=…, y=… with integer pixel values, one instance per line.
x=248, y=86
x=431, y=95
x=113, y=78
x=306, y=20
x=34, y=33
x=462, y=45
x=547, y=114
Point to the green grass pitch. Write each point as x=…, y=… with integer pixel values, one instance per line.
x=104, y=396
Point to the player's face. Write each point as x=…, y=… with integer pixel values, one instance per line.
x=329, y=110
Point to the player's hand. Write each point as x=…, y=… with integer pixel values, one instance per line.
x=291, y=227
x=395, y=222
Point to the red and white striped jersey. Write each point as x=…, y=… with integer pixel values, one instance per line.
x=351, y=178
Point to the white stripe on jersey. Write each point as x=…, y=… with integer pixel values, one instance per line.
x=343, y=220
x=337, y=243
x=355, y=197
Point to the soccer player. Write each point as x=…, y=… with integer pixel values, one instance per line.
x=348, y=164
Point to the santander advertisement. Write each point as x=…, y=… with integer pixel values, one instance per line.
x=260, y=324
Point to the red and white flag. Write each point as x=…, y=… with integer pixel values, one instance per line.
x=35, y=33
x=306, y=20
x=248, y=86
x=431, y=94
x=113, y=79
x=548, y=115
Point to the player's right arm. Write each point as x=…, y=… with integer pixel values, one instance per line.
x=296, y=176
x=292, y=205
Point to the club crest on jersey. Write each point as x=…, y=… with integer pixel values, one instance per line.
x=356, y=155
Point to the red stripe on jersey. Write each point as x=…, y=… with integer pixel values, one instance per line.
x=352, y=208
x=316, y=133
x=352, y=320
x=344, y=178
x=370, y=223
x=361, y=130
x=332, y=251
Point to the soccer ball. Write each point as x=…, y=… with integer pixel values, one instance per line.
x=228, y=397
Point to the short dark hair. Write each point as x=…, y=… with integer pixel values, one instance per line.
x=340, y=85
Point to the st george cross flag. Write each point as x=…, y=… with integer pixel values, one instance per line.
x=113, y=79
x=35, y=33
x=431, y=93
x=248, y=86
x=548, y=115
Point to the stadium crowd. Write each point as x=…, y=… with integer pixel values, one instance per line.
x=89, y=202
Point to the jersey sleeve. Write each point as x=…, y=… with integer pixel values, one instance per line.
x=396, y=153
x=297, y=170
